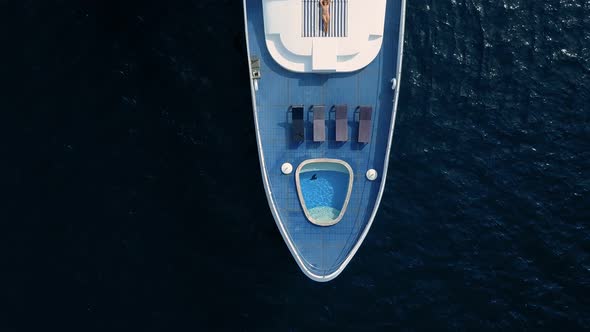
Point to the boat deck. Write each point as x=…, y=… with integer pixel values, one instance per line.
x=322, y=252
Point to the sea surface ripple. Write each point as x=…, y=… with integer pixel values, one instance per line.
x=136, y=201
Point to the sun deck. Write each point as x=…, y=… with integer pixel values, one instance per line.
x=322, y=252
x=296, y=39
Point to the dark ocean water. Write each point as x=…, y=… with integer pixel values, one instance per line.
x=125, y=211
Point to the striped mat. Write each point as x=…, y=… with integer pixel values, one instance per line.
x=312, y=19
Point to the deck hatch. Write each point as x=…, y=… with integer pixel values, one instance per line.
x=312, y=19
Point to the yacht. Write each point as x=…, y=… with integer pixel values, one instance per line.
x=325, y=84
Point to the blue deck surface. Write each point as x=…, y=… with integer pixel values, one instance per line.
x=323, y=249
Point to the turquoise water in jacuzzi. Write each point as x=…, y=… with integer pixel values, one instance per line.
x=324, y=187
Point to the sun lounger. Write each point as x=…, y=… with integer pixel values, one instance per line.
x=297, y=126
x=365, y=124
x=319, y=123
